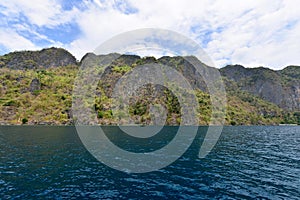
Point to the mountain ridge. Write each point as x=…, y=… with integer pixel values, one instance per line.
x=73, y=60
x=255, y=95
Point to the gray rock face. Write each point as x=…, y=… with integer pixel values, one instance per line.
x=279, y=87
x=51, y=57
x=35, y=86
x=291, y=97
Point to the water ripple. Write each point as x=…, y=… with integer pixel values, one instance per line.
x=246, y=163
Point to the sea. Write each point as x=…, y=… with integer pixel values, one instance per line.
x=247, y=162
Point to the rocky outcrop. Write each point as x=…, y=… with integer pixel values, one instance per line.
x=184, y=65
x=279, y=87
x=50, y=57
x=35, y=86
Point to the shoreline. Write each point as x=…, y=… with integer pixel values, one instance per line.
x=136, y=125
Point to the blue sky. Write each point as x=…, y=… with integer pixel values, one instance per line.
x=251, y=33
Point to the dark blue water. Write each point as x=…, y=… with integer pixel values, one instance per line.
x=246, y=163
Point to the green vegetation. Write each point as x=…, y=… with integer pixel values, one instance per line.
x=49, y=99
x=52, y=103
x=121, y=69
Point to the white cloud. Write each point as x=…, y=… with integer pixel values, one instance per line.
x=251, y=33
x=13, y=41
x=40, y=13
x=259, y=36
x=26, y=16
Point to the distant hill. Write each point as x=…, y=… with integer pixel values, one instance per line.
x=36, y=88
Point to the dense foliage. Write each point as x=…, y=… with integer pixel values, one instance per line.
x=51, y=102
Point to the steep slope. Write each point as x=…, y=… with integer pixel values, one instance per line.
x=43, y=95
x=279, y=87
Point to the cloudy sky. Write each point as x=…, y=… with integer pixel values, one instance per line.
x=251, y=33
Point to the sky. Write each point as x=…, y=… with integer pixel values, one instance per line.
x=251, y=33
